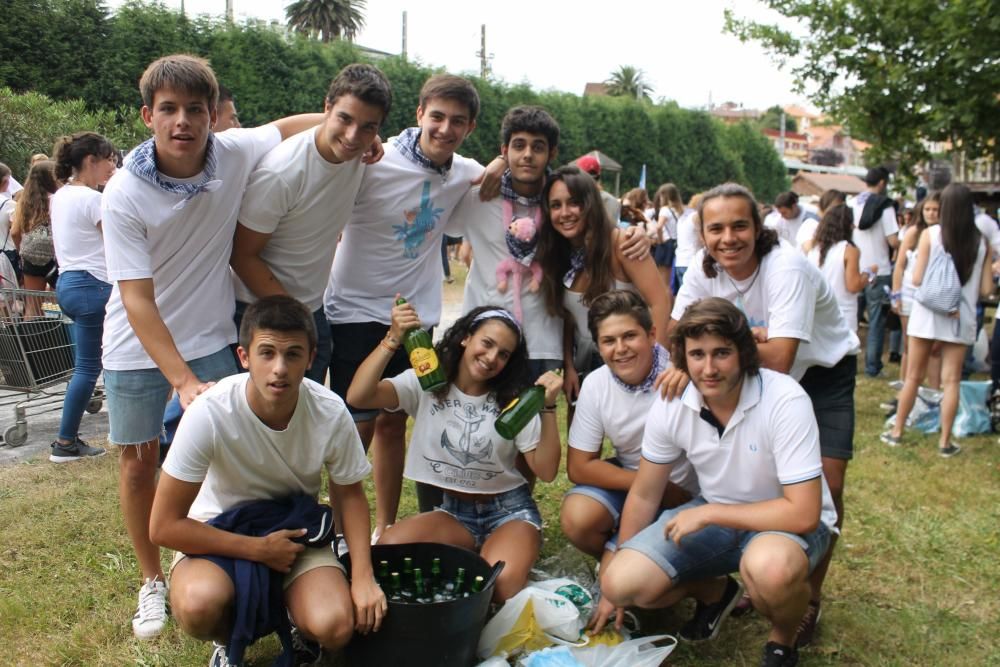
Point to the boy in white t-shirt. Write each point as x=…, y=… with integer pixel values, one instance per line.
x=168, y=220
x=267, y=435
x=393, y=245
x=764, y=508
x=300, y=197
x=614, y=401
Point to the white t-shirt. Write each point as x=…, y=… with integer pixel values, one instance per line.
x=483, y=226
x=788, y=296
x=7, y=206
x=222, y=444
x=990, y=231
x=806, y=232
x=771, y=440
x=454, y=445
x=670, y=218
x=788, y=229
x=303, y=202
x=688, y=239
x=872, y=241
x=185, y=252
x=835, y=274
x=393, y=241
x=605, y=409
x=76, y=211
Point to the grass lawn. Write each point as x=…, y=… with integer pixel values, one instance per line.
x=913, y=581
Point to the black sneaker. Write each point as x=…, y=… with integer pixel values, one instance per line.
x=307, y=652
x=776, y=655
x=77, y=450
x=707, y=619
x=951, y=450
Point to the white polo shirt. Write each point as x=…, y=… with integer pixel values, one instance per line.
x=788, y=296
x=606, y=409
x=771, y=440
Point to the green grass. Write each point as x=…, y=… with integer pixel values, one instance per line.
x=913, y=581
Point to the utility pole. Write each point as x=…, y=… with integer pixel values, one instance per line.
x=229, y=11
x=404, y=34
x=781, y=141
x=484, y=57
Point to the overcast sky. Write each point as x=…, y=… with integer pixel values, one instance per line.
x=680, y=45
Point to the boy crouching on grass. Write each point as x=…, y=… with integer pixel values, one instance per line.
x=266, y=436
x=764, y=509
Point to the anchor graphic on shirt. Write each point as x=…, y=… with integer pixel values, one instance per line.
x=470, y=449
x=419, y=223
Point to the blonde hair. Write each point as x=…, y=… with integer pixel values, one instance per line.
x=32, y=207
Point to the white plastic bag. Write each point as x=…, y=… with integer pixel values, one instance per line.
x=533, y=619
x=572, y=591
x=641, y=652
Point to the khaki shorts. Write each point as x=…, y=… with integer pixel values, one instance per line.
x=309, y=559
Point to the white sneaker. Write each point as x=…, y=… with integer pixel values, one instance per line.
x=151, y=615
x=218, y=658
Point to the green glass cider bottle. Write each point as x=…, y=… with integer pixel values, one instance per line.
x=419, y=590
x=408, y=579
x=396, y=588
x=477, y=584
x=519, y=412
x=423, y=358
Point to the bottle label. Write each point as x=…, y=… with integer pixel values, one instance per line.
x=510, y=406
x=423, y=360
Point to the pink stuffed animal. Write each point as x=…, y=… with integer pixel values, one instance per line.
x=523, y=230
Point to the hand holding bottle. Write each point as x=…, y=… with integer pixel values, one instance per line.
x=404, y=318
x=552, y=382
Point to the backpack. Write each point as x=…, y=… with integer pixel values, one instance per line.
x=940, y=290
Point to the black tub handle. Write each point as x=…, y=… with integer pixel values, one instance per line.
x=494, y=573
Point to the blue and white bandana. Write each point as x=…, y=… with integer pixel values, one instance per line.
x=142, y=163
x=576, y=261
x=407, y=142
x=660, y=361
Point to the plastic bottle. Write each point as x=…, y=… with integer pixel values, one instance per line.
x=423, y=358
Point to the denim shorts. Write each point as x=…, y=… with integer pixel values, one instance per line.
x=714, y=550
x=481, y=518
x=136, y=398
x=612, y=500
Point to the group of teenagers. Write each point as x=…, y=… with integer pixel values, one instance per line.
x=283, y=250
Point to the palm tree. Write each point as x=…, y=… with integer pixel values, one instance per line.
x=629, y=81
x=330, y=19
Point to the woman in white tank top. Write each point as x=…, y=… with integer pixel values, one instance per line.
x=581, y=255
x=836, y=256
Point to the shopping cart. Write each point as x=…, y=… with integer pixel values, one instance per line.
x=36, y=358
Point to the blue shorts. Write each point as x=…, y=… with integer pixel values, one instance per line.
x=714, y=550
x=481, y=518
x=136, y=398
x=610, y=499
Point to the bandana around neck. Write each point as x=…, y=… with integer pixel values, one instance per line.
x=407, y=142
x=576, y=259
x=508, y=193
x=142, y=163
x=522, y=251
x=660, y=361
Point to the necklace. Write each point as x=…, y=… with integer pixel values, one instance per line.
x=743, y=292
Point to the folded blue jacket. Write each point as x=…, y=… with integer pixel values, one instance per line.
x=259, y=607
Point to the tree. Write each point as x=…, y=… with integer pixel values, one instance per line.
x=330, y=19
x=895, y=72
x=629, y=81
x=771, y=120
